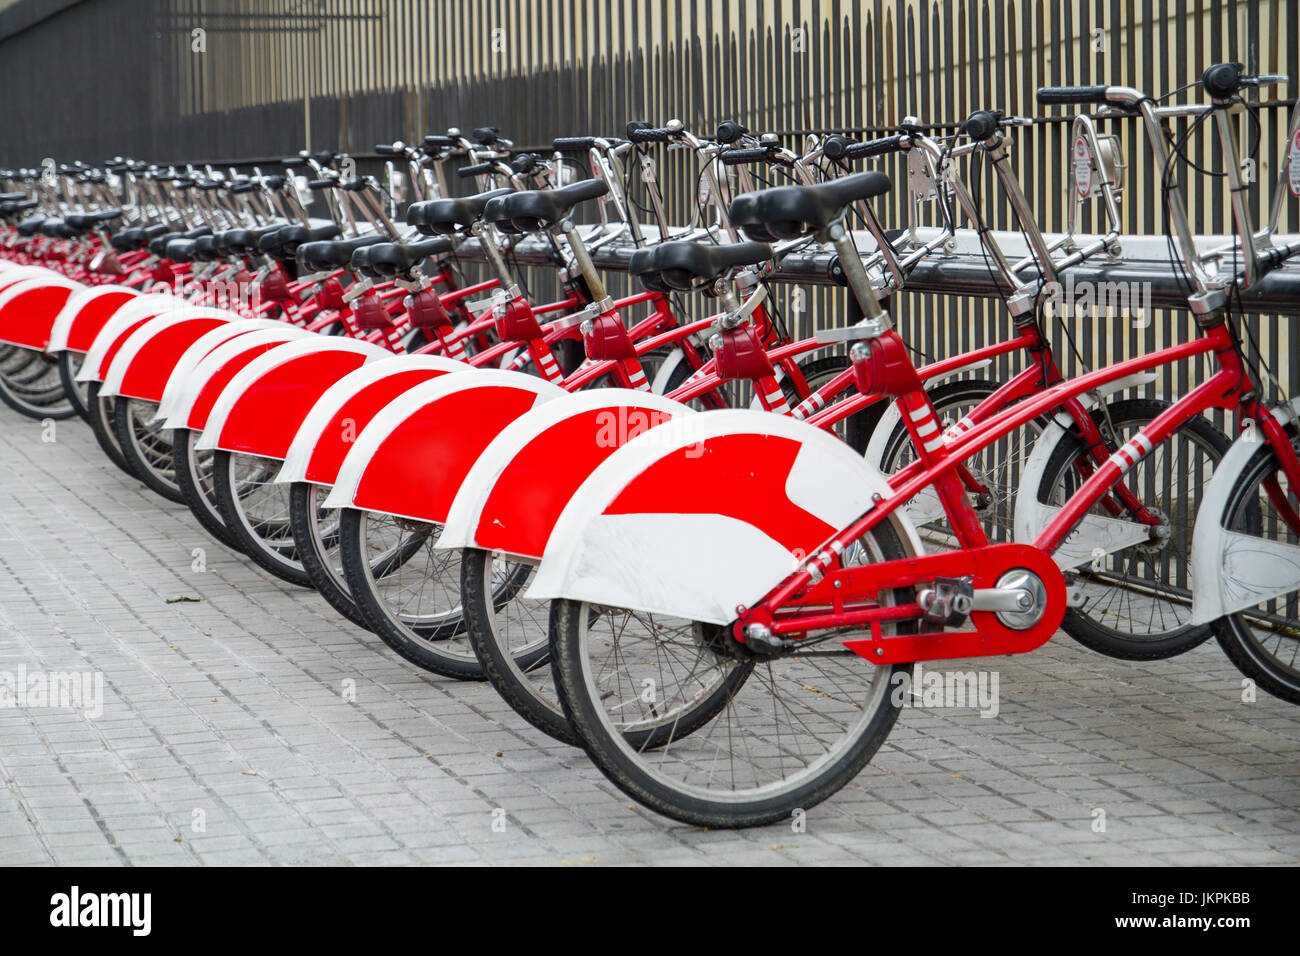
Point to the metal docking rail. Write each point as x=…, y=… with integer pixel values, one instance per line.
x=1144, y=268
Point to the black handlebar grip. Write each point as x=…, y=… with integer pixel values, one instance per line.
x=572, y=143
x=649, y=134
x=1069, y=95
x=738, y=157
x=875, y=147
x=729, y=131
x=293, y=161
x=322, y=183
x=982, y=124
x=465, y=172
x=437, y=139
x=387, y=149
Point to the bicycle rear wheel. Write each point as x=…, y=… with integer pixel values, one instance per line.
x=316, y=536
x=792, y=732
x=256, y=510
x=100, y=416
x=146, y=446
x=407, y=591
x=69, y=365
x=30, y=385
x=198, y=485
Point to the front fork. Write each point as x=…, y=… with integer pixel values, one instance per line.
x=1253, y=414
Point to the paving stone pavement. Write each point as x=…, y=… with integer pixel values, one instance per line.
x=227, y=736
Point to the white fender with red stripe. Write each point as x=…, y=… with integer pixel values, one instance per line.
x=348, y=406
x=511, y=498
x=16, y=273
x=1232, y=571
x=412, y=457
x=116, y=330
x=29, y=307
x=705, y=513
x=265, y=403
x=208, y=365
x=145, y=360
x=84, y=314
x=1096, y=535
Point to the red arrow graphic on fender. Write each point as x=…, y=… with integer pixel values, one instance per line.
x=741, y=476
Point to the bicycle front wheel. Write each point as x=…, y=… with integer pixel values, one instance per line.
x=1138, y=599
x=1263, y=641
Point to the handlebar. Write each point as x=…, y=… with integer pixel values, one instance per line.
x=573, y=143
x=478, y=169
x=1225, y=80
x=1070, y=95
x=877, y=147
x=738, y=157
x=1222, y=81
x=648, y=134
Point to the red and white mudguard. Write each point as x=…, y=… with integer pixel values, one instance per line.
x=511, y=498
x=84, y=314
x=706, y=513
x=348, y=406
x=212, y=361
x=144, y=361
x=262, y=407
x=412, y=457
x=114, y=332
x=28, y=308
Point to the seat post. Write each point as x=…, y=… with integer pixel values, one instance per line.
x=483, y=234
x=875, y=319
x=595, y=285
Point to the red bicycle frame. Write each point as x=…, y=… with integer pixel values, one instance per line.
x=799, y=604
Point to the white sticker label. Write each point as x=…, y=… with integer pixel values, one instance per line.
x=1082, y=167
x=1295, y=164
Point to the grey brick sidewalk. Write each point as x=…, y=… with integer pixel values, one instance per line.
x=227, y=735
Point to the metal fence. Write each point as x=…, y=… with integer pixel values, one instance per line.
x=238, y=80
